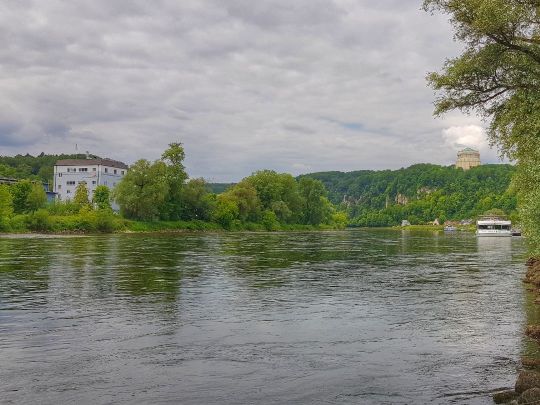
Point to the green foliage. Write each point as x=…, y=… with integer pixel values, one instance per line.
x=316, y=207
x=498, y=76
x=196, y=201
x=102, y=197
x=36, y=198
x=420, y=193
x=20, y=192
x=58, y=207
x=278, y=193
x=6, y=202
x=39, y=221
x=38, y=168
x=172, y=208
x=81, y=195
x=143, y=190
x=226, y=211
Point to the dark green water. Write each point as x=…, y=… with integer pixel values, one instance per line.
x=353, y=317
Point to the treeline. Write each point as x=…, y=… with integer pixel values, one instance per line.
x=420, y=193
x=161, y=191
x=39, y=168
x=159, y=196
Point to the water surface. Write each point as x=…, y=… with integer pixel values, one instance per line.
x=352, y=317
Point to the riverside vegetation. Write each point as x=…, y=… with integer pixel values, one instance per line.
x=159, y=195
x=498, y=77
x=156, y=196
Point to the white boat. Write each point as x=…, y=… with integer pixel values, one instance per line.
x=493, y=226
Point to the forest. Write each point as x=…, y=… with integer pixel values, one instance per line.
x=420, y=193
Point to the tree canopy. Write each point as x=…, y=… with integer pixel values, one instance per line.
x=498, y=77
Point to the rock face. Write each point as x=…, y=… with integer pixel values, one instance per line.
x=533, y=331
x=533, y=272
x=504, y=397
x=527, y=380
x=530, y=362
x=531, y=396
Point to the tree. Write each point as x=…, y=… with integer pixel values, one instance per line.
x=37, y=198
x=102, y=197
x=176, y=177
x=245, y=196
x=317, y=208
x=81, y=195
x=6, y=205
x=278, y=192
x=143, y=190
x=20, y=192
x=196, y=201
x=497, y=76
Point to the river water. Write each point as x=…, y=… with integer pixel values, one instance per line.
x=351, y=317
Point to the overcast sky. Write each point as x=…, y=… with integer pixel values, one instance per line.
x=295, y=86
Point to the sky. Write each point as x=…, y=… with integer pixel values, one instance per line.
x=294, y=86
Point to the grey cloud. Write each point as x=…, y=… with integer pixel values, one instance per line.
x=242, y=84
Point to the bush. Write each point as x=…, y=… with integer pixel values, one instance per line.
x=269, y=221
x=39, y=221
x=104, y=221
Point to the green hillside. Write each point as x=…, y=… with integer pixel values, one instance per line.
x=420, y=193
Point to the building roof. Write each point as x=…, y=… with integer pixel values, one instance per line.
x=468, y=150
x=91, y=162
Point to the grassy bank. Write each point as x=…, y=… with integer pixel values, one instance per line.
x=96, y=221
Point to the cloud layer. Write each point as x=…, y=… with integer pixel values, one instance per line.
x=299, y=86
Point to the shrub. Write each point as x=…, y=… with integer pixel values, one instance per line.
x=39, y=221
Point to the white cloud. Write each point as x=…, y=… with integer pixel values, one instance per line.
x=472, y=136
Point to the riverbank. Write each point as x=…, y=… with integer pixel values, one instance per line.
x=93, y=222
x=527, y=386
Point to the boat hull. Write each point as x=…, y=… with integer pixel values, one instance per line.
x=494, y=234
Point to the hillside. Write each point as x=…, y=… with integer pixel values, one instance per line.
x=419, y=193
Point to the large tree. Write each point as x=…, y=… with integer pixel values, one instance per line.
x=142, y=191
x=498, y=77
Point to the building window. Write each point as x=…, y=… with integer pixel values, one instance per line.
x=93, y=182
x=114, y=171
x=71, y=170
x=70, y=183
x=59, y=174
x=83, y=169
x=93, y=169
x=122, y=172
x=106, y=170
x=59, y=186
x=68, y=191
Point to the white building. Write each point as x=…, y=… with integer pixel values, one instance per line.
x=69, y=173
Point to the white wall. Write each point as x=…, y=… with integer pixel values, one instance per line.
x=66, y=179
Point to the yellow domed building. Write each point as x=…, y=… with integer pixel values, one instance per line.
x=468, y=158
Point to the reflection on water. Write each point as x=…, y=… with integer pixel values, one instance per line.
x=333, y=317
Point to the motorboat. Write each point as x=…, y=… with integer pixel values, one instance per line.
x=493, y=226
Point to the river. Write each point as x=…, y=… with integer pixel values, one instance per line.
x=350, y=317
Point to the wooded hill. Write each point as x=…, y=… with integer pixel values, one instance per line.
x=420, y=193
